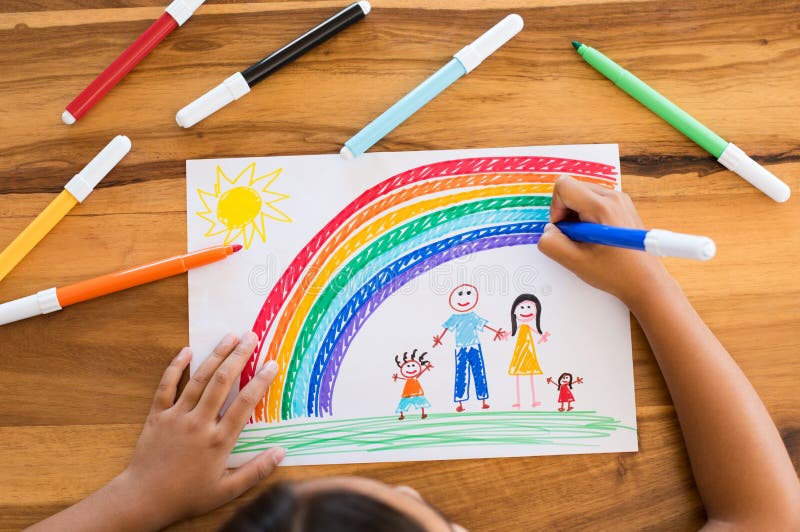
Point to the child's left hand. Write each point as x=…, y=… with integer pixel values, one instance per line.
x=179, y=467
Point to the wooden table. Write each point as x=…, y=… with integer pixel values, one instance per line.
x=76, y=386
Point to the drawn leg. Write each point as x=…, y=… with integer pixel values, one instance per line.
x=561, y=407
x=461, y=391
x=479, y=372
x=402, y=417
x=424, y=415
x=569, y=406
x=516, y=405
x=460, y=407
x=534, y=402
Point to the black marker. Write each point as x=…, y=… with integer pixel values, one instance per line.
x=240, y=83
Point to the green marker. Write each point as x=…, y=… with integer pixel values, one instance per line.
x=728, y=154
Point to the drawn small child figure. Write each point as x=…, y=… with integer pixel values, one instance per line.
x=411, y=369
x=564, y=386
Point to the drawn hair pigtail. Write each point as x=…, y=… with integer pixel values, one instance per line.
x=397, y=361
x=422, y=359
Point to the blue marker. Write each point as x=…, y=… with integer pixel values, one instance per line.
x=462, y=63
x=655, y=241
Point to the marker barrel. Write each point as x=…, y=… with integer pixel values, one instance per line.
x=315, y=36
x=75, y=191
x=404, y=108
x=147, y=273
x=655, y=101
x=117, y=70
x=239, y=84
x=463, y=62
x=621, y=237
x=655, y=241
x=35, y=232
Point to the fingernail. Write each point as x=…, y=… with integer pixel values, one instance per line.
x=270, y=367
x=228, y=339
x=185, y=353
x=278, y=454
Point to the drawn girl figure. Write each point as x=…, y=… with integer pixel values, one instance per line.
x=411, y=369
x=564, y=386
x=525, y=310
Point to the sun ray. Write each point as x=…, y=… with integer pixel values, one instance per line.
x=274, y=213
x=270, y=177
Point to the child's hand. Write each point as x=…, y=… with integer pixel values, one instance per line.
x=624, y=273
x=178, y=467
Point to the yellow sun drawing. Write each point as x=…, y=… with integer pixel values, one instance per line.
x=239, y=207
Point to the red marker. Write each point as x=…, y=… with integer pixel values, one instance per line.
x=175, y=15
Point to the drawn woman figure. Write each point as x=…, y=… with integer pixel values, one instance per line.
x=525, y=309
x=564, y=386
x=411, y=369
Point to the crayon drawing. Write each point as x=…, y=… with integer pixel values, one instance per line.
x=411, y=369
x=239, y=207
x=427, y=249
x=526, y=311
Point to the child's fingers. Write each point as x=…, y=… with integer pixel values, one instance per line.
x=570, y=195
x=241, y=408
x=560, y=247
x=227, y=373
x=237, y=481
x=194, y=389
x=168, y=387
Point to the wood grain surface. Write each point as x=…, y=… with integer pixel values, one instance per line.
x=76, y=385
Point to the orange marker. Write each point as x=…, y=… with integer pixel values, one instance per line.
x=54, y=299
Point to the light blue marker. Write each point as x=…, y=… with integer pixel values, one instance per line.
x=464, y=62
x=655, y=241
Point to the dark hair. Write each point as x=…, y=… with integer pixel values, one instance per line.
x=520, y=299
x=565, y=374
x=282, y=509
x=406, y=358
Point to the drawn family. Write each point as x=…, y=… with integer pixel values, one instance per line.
x=467, y=326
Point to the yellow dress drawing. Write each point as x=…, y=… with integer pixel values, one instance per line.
x=523, y=361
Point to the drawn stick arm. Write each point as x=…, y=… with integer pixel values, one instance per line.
x=499, y=333
x=437, y=339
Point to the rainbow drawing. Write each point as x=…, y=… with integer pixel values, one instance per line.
x=392, y=233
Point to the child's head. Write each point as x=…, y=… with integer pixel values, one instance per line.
x=338, y=504
x=411, y=366
x=525, y=309
x=463, y=298
x=565, y=378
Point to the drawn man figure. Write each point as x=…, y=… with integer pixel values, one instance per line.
x=466, y=325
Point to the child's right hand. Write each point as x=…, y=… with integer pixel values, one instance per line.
x=625, y=273
x=179, y=464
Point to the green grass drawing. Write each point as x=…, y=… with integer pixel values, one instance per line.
x=376, y=434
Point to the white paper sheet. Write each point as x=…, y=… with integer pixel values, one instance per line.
x=358, y=260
